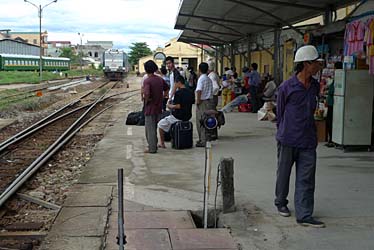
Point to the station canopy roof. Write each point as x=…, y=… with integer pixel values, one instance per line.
x=217, y=22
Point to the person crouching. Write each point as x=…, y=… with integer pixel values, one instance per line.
x=181, y=109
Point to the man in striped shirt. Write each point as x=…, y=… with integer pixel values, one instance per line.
x=204, y=100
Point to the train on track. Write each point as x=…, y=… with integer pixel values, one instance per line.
x=115, y=64
x=11, y=62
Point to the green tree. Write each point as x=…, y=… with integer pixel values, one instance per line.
x=69, y=53
x=137, y=51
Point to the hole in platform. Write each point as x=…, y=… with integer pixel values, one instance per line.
x=213, y=218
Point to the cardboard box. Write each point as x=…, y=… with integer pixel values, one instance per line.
x=321, y=130
x=361, y=64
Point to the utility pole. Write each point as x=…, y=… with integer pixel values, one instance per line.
x=40, y=11
x=81, y=52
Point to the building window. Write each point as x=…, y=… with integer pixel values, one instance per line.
x=89, y=53
x=96, y=54
x=6, y=62
x=35, y=41
x=26, y=40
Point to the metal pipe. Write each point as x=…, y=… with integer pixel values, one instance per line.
x=41, y=47
x=121, y=238
x=208, y=160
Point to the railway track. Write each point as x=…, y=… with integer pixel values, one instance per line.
x=24, y=153
x=22, y=95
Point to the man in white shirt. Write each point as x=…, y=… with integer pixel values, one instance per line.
x=215, y=80
x=173, y=74
x=204, y=96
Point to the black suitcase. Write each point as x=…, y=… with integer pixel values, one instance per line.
x=181, y=135
x=167, y=136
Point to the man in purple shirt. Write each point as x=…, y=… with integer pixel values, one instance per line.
x=154, y=89
x=297, y=137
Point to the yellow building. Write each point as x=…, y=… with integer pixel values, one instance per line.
x=184, y=55
x=32, y=38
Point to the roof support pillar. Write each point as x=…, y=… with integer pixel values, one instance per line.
x=329, y=16
x=276, y=57
x=222, y=55
x=248, y=51
x=232, y=55
x=202, y=52
x=216, y=59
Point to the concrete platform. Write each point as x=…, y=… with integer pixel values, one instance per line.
x=149, y=239
x=89, y=196
x=72, y=243
x=183, y=239
x=81, y=222
x=156, y=220
x=173, y=180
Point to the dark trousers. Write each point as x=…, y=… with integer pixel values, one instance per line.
x=254, y=100
x=151, y=131
x=305, y=160
x=164, y=102
x=329, y=117
x=215, y=101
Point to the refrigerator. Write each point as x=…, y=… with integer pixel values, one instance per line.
x=353, y=108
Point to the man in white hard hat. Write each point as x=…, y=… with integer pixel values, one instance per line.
x=297, y=136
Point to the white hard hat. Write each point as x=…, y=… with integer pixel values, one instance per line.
x=306, y=53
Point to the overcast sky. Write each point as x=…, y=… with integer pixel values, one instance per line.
x=120, y=21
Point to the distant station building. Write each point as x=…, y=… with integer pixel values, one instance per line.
x=29, y=38
x=10, y=46
x=94, y=49
x=55, y=47
x=105, y=44
x=184, y=55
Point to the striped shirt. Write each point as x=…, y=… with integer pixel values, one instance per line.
x=205, y=85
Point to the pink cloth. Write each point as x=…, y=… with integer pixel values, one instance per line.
x=354, y=36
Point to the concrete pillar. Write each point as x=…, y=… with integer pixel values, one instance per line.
x=232, y=55
x=248, y=51
x=222, y=54
x=276, y=58
x=202, y=52
x=216, y=57
x=227, y=184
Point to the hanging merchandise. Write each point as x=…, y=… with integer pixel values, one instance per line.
x=369, y=40
x=354, y=37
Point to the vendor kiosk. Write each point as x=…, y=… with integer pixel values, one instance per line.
x=353, y=108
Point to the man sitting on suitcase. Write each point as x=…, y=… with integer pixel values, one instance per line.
x=181, y=109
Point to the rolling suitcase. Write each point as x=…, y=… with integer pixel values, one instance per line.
x=181, y=135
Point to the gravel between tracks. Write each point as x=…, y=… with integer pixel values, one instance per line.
x=54, y=180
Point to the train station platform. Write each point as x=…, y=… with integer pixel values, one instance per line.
x=161, y=189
